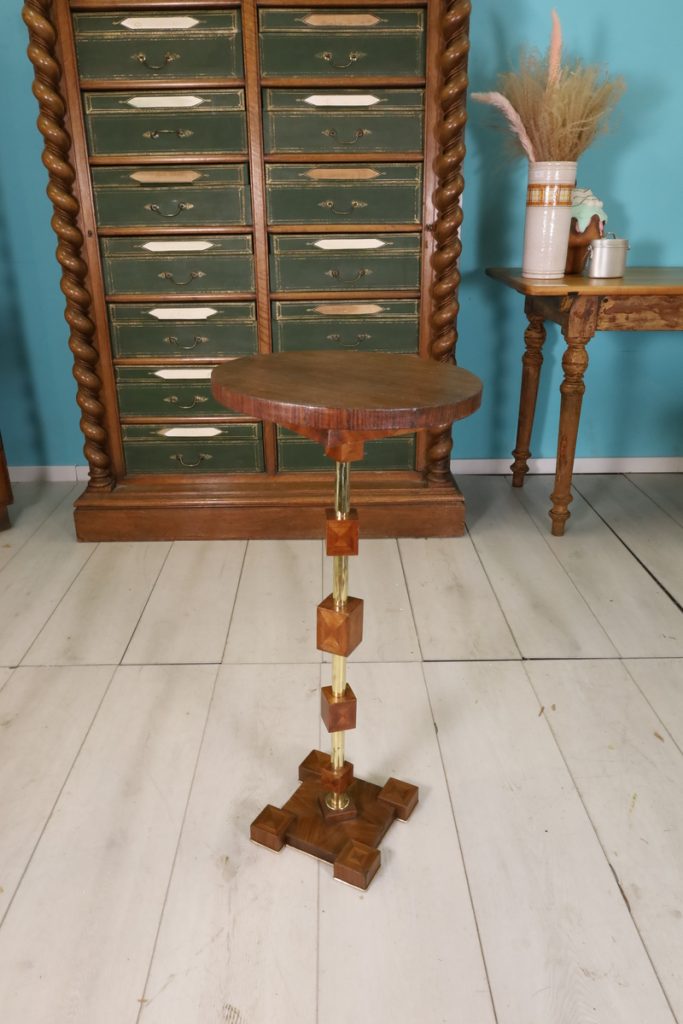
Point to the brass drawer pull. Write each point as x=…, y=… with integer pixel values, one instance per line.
x=197, y=340
x=360, y=338
x=178, y=457
x=336, y=274
x=155, y=208
x=356, y=204
x=353, y=56
x=196, y=400
x=141, y=58
x=166, y=275
x=360, y=133
x=155, y=133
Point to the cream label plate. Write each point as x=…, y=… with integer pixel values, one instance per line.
x=182, y=313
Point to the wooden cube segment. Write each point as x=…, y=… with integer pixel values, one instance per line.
x=357, y=864
x=341, y=534
x=402, y=796
x=336, y=780
x=338, y=713
x=270, y=826
x=339, y=632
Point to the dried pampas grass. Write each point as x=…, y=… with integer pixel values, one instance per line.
x=555, y=111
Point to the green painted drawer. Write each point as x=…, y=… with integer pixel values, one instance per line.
x=138, y=266
x=212, y=331
x=165, y=123
x=305, y=263
x=159, y=46
x=344, y=194
x=351, y=42
x=297, y=454
x=167, y=391
x=385, y=326
x=343, y=120
x=144, y=197
x=166, y=448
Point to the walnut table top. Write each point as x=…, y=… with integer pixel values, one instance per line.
x=334, y=397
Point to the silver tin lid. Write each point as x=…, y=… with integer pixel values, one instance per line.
x=609, y=243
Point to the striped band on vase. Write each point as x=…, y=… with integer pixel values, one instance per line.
x=548, y=218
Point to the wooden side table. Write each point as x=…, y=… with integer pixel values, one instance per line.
x=6, y=496
x=645, y=299
x=341, y=400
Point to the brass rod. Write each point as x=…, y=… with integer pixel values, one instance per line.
x=340, y=593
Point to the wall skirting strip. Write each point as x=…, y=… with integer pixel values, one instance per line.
x=460, y=467
x=652, y=464
x=52, y=474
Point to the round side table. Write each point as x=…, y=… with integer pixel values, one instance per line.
x=341, y=400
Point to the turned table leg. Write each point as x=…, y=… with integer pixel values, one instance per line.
x=532, y=361
x=578, y=330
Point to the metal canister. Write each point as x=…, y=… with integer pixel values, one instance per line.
x=607, y=257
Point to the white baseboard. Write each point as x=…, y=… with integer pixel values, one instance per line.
x=51, y=474
x=654, y=464
x=461, y=467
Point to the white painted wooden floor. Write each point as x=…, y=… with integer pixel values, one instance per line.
x=531, y=686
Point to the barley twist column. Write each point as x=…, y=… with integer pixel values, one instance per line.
x=51, y=124
x=449, y=214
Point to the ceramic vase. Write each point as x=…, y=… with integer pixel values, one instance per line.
x=548, y=217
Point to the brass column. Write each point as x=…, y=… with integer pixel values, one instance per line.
x=340, y=593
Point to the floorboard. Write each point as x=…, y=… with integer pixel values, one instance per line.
x=648, y=531
x=662, y=684
x=95, y=619
x=274, y=617
x=238, y=937
x=58, y=706
x=76, y=942
x=665, y=489
x=421, y=881
x=630, y=777
x=457, y=615
x=559, y=942
x=35, y=581
x=546, y=613
x=187, y=616
x=640, y=619
x=33, y=504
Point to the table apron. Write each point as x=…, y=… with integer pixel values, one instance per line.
x=641, y=313
x=616, y=313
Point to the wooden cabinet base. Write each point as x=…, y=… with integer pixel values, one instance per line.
x=349, y=843
x=6, y=497
x=390, y=505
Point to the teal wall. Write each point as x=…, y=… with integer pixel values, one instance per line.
x=634, y=401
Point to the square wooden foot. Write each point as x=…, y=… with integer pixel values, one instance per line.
x=270, y=827
x=357, y=864
x=313, y=764
x=352, y=843
x=401, y=796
